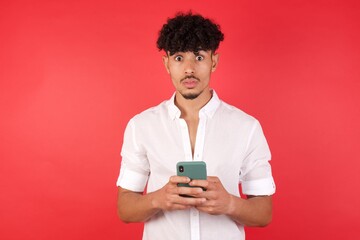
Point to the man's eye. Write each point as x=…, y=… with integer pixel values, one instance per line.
x=178, y=58
x=199, y=58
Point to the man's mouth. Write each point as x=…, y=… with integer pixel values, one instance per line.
x=190, y=81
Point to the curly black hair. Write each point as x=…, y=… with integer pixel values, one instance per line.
x=189, y=32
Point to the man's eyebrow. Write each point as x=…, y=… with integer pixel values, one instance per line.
x=175, y=53
x=199, y=52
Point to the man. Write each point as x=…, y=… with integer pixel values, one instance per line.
x=194, y=125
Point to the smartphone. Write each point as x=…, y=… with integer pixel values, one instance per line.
x=193, y=170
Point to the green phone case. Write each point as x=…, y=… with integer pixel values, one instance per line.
x=193, y=170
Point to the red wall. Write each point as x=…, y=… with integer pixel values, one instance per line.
x=72, y=73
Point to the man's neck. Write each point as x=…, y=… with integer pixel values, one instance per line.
x=190, y=107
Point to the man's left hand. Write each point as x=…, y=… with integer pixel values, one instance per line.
x=218, y=200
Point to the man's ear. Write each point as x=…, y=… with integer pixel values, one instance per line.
x=215, y=61
x=165, y=60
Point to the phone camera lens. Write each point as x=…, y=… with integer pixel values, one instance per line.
x=181, y=168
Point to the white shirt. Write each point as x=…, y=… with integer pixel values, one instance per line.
x=230, y=142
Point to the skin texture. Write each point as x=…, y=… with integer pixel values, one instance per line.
x=195, y=68
x=190, y=74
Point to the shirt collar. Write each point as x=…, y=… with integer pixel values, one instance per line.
x=209, y=109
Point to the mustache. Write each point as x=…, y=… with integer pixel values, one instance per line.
x=189, y=77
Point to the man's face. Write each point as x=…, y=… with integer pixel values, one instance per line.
x=190, y=72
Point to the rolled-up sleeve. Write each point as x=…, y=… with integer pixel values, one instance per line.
x=256, y=175
x=134, y=170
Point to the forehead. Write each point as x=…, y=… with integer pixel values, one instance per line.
x=199, y=52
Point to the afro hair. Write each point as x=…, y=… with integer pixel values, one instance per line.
x=189, y=33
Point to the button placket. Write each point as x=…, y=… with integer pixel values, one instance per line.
x=198, y=155
x=185, y=140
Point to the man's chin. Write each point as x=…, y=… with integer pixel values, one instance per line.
x=190, y=96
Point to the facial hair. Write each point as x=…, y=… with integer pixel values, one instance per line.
x=191, y=96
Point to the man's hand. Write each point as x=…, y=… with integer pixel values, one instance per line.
x=167, y=198
x=218, y=200
x=255, y=211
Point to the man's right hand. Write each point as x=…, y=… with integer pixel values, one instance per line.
x=168, y=197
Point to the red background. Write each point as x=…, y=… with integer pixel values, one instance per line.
x=72, y=73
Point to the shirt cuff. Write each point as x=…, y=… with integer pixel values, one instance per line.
x=131, y=180
x=259, y=187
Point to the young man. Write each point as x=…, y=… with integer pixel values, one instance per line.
x=194, y=125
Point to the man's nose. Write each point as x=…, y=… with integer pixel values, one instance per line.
x=189, y=67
